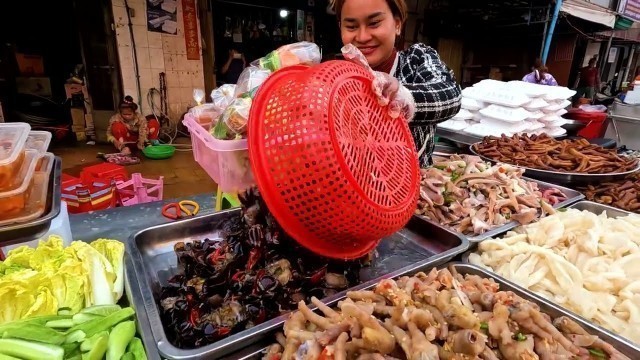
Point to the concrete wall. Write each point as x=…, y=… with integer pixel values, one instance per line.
x=156, y=53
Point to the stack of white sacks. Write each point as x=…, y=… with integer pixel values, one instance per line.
x=493, y=107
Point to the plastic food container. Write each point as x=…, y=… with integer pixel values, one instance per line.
x=38, y=140
x=12, y=140
x=205, y=114
x=14, y=202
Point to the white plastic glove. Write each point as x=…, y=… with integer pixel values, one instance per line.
x=387, y=88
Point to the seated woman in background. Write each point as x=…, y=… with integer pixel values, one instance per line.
x=128, y=129
x=540, y=75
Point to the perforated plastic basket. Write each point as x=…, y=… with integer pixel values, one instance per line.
x=334, y=169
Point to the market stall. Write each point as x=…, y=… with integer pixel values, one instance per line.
x=341, y=246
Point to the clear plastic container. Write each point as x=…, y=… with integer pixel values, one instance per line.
x=12, y=140
x=14, y=202
x=205, y=114
x=38, y=140
x=226, y=161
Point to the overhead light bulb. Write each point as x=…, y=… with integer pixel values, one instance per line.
x=284, y=13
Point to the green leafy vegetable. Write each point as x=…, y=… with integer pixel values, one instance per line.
x=99, y=348
x=95, y=326
x=102, y=310
x=33, y=332
x=81, y=317
x=137, y=349
x=75, y=337
x=30, y=350
x=89, y=343
x=484, y=326
x=114, y=252
x=119, y=338
x=60, y=323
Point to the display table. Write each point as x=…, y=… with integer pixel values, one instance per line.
x=120, y=224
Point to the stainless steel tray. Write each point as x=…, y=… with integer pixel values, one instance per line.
x=565, y=178
x=20, y=233
x=131, y=286
x=624, y=346
x=573, y=196
x=419, y=245
x=458, y=137
x=598, y=209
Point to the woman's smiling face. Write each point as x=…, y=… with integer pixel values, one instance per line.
x=371, y=27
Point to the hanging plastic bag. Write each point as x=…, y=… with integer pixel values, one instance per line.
x=223, y=96
x=232, y=124
x=250, y=79
x=300, y=53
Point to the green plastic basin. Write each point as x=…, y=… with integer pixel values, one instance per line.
x=159, y=152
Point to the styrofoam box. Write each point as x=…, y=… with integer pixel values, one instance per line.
x=505, y=113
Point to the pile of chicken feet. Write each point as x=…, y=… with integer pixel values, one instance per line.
x=439, y=315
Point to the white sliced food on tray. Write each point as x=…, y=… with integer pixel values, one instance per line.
x=471, y=104
x=505, y=113
x=562, y=112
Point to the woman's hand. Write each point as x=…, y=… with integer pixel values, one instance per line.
x=393, y=94
x=386, y=87
x=141, y=145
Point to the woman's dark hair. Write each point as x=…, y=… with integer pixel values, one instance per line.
x=127, y=103
x=540, y=70
x=398, y=8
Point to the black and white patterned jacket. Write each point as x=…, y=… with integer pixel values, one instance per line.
x=435, y=92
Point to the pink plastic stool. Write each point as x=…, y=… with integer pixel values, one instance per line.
x=139, y=190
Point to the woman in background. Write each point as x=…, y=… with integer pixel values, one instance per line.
x=540, y=75
x=128, y=129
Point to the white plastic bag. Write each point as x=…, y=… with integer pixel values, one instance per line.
x=250, y=79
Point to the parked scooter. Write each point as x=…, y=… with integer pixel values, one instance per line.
x=607, y=95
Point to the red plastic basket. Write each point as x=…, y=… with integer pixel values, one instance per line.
x=334, y=169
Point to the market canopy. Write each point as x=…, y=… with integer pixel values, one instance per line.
x=587, y=11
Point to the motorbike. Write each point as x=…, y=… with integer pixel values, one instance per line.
x=607, y=95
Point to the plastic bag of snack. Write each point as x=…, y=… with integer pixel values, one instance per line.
x=223, y=96
x=300, y=53
x=250, y=79
x=232, y=124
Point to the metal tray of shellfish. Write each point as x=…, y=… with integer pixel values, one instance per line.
x=256, y=351
x=572, y=196
x=418, y=246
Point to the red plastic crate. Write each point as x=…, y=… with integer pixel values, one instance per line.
x=103, y=172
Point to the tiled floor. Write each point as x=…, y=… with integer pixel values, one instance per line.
x=182, y=175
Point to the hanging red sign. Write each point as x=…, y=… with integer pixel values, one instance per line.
x=191, y=37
